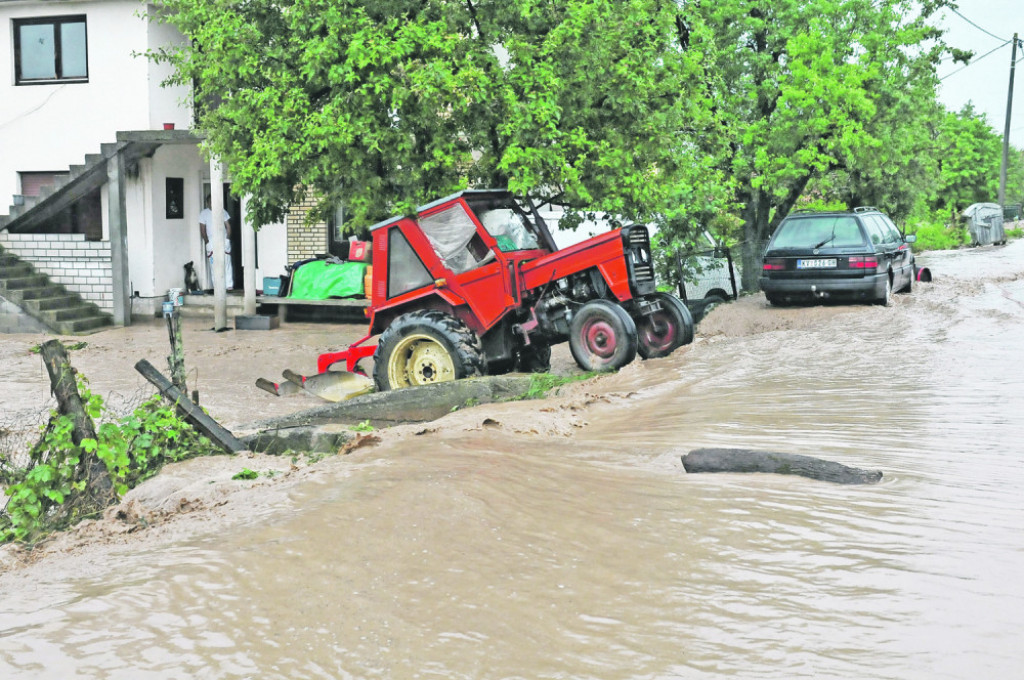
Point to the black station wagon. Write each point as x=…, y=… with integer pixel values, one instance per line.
x=858, y=255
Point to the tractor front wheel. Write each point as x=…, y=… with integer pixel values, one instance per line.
x=602, y=336
x=661, y=332
x=425, y=347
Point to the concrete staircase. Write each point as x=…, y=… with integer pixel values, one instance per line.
x=50, y=303
x=28, y=212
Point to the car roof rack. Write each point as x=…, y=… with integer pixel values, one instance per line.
x=866, y=208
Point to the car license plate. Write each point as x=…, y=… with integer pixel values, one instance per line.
x=816, y=264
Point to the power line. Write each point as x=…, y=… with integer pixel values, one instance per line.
x=954, y=11
x=975, y=61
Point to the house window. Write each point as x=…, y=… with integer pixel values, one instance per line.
x=50, y=49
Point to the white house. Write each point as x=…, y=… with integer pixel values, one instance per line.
x=104, y=176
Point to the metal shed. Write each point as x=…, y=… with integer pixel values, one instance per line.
x=985, y=222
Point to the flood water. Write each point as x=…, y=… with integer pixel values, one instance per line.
x=494, y=552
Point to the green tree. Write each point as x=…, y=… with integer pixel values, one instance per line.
x=381, y=105
x=970, y=154
x=809, y=91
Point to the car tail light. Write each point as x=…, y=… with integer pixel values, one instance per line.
x=864, y=262
x=774, y=264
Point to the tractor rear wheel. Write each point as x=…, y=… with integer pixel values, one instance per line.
x=660, y=333
x=425, y=347
x=602, y=336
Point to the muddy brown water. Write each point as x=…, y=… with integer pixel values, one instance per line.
x=563, y=539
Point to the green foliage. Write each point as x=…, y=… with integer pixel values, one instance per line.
x=364, y=426
x=245, y=473
x=812, y=88
x=35, y=349
x=542, y=383
x=935, y=234
x=381, y=106
x=971, y=153
x=51, y=494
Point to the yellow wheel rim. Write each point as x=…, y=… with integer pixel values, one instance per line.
x=419, y=359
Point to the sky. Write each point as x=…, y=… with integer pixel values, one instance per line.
x=986, y=81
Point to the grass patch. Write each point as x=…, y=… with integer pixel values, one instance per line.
x=542, y=383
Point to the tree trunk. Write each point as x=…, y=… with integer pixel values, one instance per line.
x=755, y=233
x=744, y=460
x=69, y=403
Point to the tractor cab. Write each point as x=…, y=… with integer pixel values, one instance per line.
x=465, y=246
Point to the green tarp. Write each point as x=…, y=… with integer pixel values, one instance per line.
x=320, y=279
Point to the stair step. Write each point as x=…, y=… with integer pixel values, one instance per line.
x=60, y=301
x=49, y=291
x=14, y=270
x=81, y=311
x=25, y=281
x=84, y=325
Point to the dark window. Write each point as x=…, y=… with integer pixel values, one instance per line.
x=820, y=231
x=405, y=269
x=50, y=49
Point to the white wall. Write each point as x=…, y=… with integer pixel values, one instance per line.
x=53, y=126
x=166, y=104
x=271, y=249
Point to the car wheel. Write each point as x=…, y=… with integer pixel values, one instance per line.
x=425, y=347
x=660, y=333
x=602, y=336
x=776, y=301
x=887, y=295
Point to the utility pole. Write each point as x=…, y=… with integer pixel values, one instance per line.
x=1006, y=129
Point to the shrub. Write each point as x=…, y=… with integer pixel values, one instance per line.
x=935, y=234
x=51, y=494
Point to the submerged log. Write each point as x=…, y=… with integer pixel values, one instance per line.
x=746, y=460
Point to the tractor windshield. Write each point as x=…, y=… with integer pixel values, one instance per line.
x=506, y=222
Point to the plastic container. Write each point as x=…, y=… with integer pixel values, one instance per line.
x=271, y=285
x=174, y=295
x=359, y=251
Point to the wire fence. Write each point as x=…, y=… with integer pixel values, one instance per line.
x=20, y=430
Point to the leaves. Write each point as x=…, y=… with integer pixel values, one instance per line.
x=386, y=105
x=133, y=448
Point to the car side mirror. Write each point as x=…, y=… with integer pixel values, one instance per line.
x=910, y=238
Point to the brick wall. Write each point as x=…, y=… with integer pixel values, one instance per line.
x=304, y=240
x=82, y=267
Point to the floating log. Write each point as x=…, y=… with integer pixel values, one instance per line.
x=190, y=411
x=746, y=460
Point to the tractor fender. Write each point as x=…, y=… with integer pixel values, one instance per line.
x=441, y=299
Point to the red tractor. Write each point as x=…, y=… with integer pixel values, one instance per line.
x=472, y=285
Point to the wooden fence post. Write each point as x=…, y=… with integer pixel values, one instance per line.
x=69, y=403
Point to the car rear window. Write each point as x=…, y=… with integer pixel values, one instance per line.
x=834, y=231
